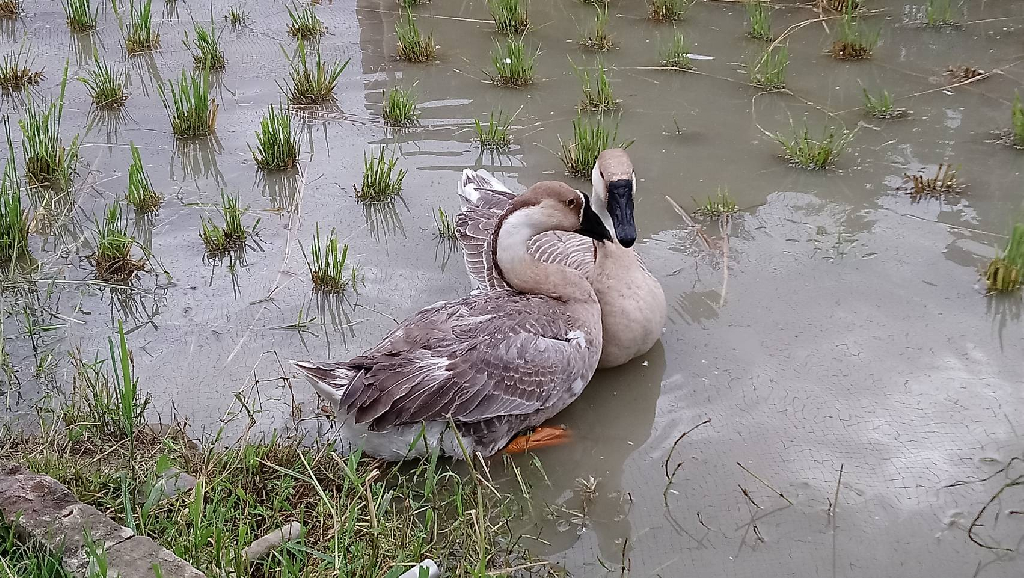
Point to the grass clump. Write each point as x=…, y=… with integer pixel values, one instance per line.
x=759, y=20
x=945, y=181
x=597, y=91
x=412, y=44
x=668, y=10
x=236, y=16
x=513, y=64
x=311, y=85
x=882, y=106
x=277, y=147
x=400, y=107
x=677, y=53
x=16, y=72
x=327, y=264
x=232, y=235
x=939, y=13
x=1016, y=136
x=47, y=161
x=853, y=40
x=509, y=16
x=445, y=224
x=113, y=256
x=382, y=180
x=597, y=37
x=305, y=24
x=1006, y=271
x=107, y=88
x=25, y=561
x=205, y=48
x=716, y=206
x=963, y=73
x=80, y=15
x=590, y=137
x=10, y=9
x=140, y=36
x=191, y=109
x=13, y=218
x=495, y=134
x=141, y=195
x=769, y=71
x=809, y=153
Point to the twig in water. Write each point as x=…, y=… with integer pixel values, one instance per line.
x=690, y=222
x=766, y=484
x=835, y=498
x=746, y=494
x=1018, y=481
x=679, y=439
x=723, y=226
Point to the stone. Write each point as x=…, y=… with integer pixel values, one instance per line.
x=136, y=557
x=267, y=544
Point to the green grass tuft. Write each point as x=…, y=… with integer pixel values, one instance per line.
x=277, y=147
x=107, y=88
x=47, y=161
x=399, y=107
x=1006, y=271
x=1017, y=123
x=853, y=40
x=191, y=110
x=27, y=561
x=80, y=14
x=759, y=20
x=232, y=235
x=668, y=10
x=382, y=180
x=140, y=36
x=314, y=85
x=509, y=16
x=590, y=137
x=141, y=195
x=717, y=206
x=236, y=16
x=939, y=13
x=205, y=48
x=327, y=264
x=412, y=44
x=597, y=37
x=113, y=256
x=513, y=65
x=677, y=53
x=769, y=70
x=882, y=106
x=13, y=218
x=809, y=153
x=495, y=134
x=305, y=24
x=446, y=230
x=597, y=91
x=16, y=71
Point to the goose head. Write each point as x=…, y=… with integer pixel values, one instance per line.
x=554, y=206
x=614, y=184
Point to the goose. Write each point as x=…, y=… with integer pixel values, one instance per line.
x=490, y=364
x=633, y=304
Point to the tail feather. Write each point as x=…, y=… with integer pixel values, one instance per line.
x=480, y=189
x=329, y=379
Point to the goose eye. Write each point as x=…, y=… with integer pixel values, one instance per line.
x=571, y=203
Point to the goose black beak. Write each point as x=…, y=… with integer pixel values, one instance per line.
x=620, y=207
x=591, y=224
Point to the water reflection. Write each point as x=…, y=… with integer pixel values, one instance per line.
x=383, y=219
x=109, y=121
x=282, y=188
x=198, y=158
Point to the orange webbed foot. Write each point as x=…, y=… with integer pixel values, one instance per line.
x=541, y=437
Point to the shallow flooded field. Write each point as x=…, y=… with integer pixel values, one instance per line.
x=832, y=364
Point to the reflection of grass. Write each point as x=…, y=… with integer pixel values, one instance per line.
x=205, y=48
x=495, y=134
x=590, y=137
x=769, y=71
x=1005, y=272
x=13, y=218
x=597, y=91
x=513, y=64
x=759, y=19
x=853, y=40
x=716, y=206
x=667, y=10
x=47, y=161
x=106, y=87
x=191, y=110
x=382, y=180
x=277, y=147
x=809, y=153
x=139, y=35
x=113, y=258
x=598, y=37
x=327, y=264
x=305, y=24
x=677, y=53
x=882, y=106
x=140, y=188
x=311, y=85
x=509, y=16
x=412, y=44
x=80, y=15
x=399, y=107
x=16, y=72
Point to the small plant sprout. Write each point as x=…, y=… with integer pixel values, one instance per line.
x=759, y=20
x=513, y=64
x=140, y=194
x=305, y=24
x=667, y=10
x=677, y=53
x=882, y=106
x=399, y=107
x=597, y=37
x=140, y=35
x=277, y=147
x=446, y=230
x=10, y=9
x=306, y=85
x=205, y=48
x=716, y=206
x=1006, y=272
x=495, y=134
x=806, y=152
x=16, y=71
x=945, y=181
x=80, y=14
x=939, y=13
x=769, y=70
x=47, y=161
x=113, y=256
x=509, y=16
x=191, y=110
x=106, y=87
x=597, y=91
x=13, y=218
x=382, y=181
x=590, y=137
x=236, y=16
x=853, y=40
x=232, y=236
x=1017, y=126
x=412, y=44
x=327, y=264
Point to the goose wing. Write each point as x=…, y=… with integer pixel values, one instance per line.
x=479, y=357
x=484, y=199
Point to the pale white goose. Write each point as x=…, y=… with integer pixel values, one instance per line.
x=491, y=364
x=633, y=305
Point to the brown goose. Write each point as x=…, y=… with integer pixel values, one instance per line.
x=633, y=305
x=490, y=364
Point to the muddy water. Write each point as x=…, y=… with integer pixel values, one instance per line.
x=845, y=330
